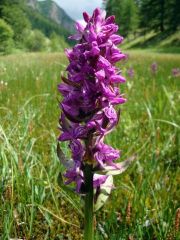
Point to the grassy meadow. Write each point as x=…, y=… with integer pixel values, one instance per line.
x=146, y=198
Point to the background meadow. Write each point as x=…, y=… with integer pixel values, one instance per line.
x=145, y=202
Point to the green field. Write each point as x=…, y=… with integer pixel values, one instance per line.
x=144, y=203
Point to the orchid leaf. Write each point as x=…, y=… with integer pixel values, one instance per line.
x=62, y=158
x=104, y=192
x=119, y=168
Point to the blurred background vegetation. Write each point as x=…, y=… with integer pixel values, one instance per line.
x=148, y=23
x=31, y=25
x=26, y=26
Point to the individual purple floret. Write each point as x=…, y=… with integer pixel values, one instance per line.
x=130, y=72
x=176, y=72
x=154, y=67
x=90, y=94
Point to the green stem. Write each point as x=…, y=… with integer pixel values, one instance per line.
x=89, y=199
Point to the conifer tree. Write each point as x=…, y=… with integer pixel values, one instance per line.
x=126, y=13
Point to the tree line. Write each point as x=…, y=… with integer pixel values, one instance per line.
x=145, y=15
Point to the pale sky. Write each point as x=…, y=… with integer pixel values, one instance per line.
x=75, y=8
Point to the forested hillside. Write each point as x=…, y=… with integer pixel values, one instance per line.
x=24, y=26
x=155, y=20
x=145, y=15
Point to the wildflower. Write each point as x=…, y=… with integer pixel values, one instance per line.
x=154, y=67
x=176, y=72
x=88, y=111
x=90, y=94
x=130, y=72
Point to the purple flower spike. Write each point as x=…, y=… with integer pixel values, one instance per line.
x=130, y=72
x=176, y=72
x=90, y=95
x=154, y=67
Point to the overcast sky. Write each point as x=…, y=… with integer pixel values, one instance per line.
x=75, y=8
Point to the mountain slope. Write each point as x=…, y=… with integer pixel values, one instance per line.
x=47, y=26
x=51, y=10
x=32, y=3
